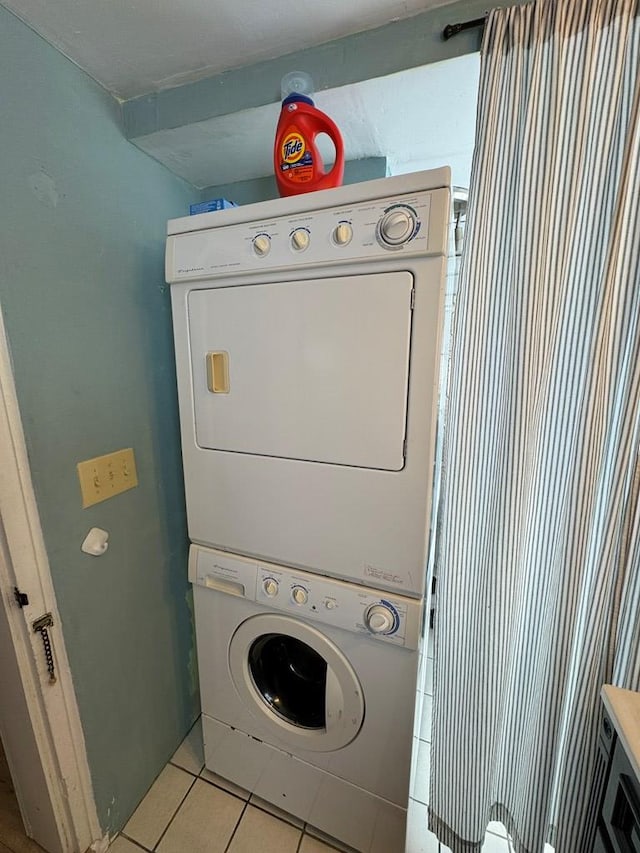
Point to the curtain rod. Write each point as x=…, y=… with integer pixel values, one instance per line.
x=453, y=29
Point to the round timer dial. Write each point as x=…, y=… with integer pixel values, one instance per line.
x=397, y=227
x=381, y=619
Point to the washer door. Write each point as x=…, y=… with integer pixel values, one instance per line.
x=296, y=682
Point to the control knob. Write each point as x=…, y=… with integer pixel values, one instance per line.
x=380, y=619
x=397, y=226
x=270, y=586
x=300, y=595
x=342, y=234
x=262, y=245
x=300, y=239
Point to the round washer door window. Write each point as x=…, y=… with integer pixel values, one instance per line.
x=291, y=678
x=297, y=682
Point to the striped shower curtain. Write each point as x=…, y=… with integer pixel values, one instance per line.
x=538, y=554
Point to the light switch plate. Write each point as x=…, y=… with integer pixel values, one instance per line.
x=106, y=476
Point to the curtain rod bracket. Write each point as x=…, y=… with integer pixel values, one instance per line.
x=453, y=29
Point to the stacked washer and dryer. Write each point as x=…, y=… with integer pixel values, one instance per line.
x=308, y=337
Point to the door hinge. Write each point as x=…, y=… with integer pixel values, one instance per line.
x=41, y=626
x=22, y=599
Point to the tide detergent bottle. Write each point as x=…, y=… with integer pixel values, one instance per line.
x=297, y=162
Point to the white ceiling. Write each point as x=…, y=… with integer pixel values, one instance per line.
x=133, y=47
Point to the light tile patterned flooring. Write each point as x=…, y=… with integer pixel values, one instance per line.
x=190, y=810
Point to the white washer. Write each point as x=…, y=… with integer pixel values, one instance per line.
x=308, y=337
x=308, y=689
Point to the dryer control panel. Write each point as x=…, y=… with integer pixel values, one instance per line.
x=362, y=610
x=406, y=225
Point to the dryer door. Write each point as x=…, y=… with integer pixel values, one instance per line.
x=314, y=370
x=296, y=682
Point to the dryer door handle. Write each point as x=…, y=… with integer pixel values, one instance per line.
x=218, y=372
x=333, y=702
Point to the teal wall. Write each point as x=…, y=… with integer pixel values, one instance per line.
x=82, y=226
x=262, y=189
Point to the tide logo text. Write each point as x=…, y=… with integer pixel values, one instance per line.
x=293, y=148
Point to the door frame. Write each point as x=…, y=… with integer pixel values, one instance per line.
x=54, y=729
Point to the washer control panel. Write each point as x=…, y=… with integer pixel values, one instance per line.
x=333, y=602
x=368, y=230
x=362, y=610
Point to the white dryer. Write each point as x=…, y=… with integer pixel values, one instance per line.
x=308, y=689
x=308, y=336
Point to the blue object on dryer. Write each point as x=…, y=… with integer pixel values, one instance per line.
x=208, y=206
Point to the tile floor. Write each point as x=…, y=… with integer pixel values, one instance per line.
x=190, y=809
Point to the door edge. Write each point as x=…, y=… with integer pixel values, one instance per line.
x=55, y=716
